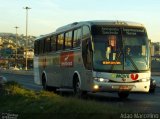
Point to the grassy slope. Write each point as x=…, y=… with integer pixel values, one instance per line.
x=29, y=104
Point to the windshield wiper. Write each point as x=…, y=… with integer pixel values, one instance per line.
x=131, y=60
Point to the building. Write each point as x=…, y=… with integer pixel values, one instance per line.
x=8, y=48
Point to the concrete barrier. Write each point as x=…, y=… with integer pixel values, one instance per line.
x=3, y=80
x=155, y=73
x=20, y=72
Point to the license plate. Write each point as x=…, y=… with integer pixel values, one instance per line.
x=124, y=87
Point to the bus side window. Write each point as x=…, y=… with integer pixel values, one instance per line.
x=77, y=38
x=53, y=43
x=41, y=46
x=60, y=42
x=86, y=46
x=68, y=40
x=44, y=45
x=36, y=47
x=47, y=45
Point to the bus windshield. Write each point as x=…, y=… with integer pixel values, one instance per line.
x=117, y=49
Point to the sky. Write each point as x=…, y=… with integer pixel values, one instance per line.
x=45, y=16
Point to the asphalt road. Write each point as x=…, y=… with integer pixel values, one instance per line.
x=140, y=102
x=26, y=80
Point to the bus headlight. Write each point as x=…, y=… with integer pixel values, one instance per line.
x=101, y=80
x=95, y=87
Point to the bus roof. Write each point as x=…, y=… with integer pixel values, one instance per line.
x=98, y=22
x=90, y=23
x=44, y=36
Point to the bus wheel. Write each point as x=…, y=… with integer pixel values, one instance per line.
x=123, y=95
x=48, y=88
x=77, y=91
x=44, y=84
x=76, y=86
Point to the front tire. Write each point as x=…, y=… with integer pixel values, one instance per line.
x=77, y=90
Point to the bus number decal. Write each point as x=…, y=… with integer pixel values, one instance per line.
x=66, y=59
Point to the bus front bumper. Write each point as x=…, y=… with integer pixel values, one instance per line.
x=117, y=87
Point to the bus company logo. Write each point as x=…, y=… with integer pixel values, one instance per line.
x=66, y=59
x=122, y=76
x=134, y=76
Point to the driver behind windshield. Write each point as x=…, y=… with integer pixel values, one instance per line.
x=111, y=47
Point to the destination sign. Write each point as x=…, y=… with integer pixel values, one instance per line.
x=110, y=31
x=133, y=31
x=105, y=30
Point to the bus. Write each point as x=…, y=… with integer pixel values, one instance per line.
x=94, y=56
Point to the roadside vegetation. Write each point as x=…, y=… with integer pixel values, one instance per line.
x=27, y=104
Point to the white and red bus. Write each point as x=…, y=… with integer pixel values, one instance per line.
x=94, y=56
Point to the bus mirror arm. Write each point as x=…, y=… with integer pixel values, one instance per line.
x=90, y=46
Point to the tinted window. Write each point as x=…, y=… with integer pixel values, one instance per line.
x=68, y=40
x=36, y=47
x=120, y=49
x=77, y=38
x=60, y=42
x=86, y=44
x=53, y=43
x=41, y=46
x=47, y=45
x=86, y=32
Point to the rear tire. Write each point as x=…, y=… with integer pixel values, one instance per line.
x=44, y=84
x=123, y=95
x=47, y=88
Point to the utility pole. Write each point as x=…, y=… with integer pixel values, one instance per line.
x=27, y=40
x=16, y=27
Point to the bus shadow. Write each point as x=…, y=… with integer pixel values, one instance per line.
x=109, y=97
x=106, y=97
x=98, y=97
